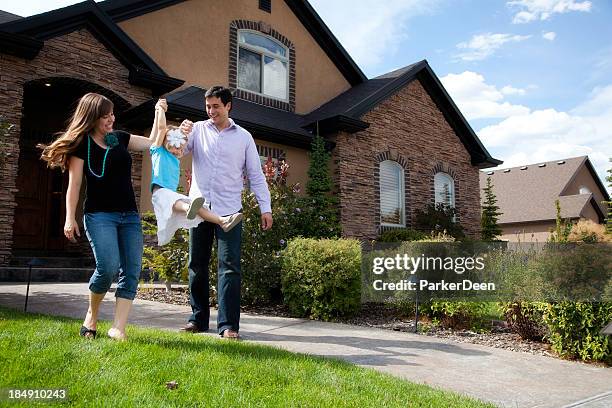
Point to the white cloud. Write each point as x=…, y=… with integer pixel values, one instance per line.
x=550, y=36
x=510, y=90
x=478, y=100
x=371, y=33
x=482, y=46
x=548, y=134
x=531, y=10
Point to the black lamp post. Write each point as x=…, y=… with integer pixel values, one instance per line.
x=415, y=280
x=31, y=263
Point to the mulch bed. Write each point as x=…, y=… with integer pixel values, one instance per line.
x=383, y=317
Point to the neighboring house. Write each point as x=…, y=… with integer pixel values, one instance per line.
x=526, y=196
x=398, y=140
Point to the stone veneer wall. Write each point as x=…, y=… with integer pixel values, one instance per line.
x=408, y=128
x=74, y=55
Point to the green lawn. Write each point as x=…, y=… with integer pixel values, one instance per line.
x=39, y=351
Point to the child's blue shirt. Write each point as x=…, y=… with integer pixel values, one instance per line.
x=165, y=168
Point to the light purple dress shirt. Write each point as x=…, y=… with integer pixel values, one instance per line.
x=219, y=160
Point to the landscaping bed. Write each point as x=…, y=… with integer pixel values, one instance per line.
x=383, y=317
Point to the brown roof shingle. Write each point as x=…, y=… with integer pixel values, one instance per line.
x=528, y=193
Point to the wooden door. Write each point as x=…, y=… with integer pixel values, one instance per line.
x=31, y=198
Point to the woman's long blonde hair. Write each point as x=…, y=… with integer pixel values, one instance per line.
x=91, y=107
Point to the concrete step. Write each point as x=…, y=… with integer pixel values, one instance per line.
x=45, y=274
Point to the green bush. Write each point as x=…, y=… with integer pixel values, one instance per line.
x=439, y=218
x=574, y=329
x=321, y=279
x=400, y=235
x=461, y=314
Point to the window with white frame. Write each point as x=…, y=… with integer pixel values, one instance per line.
x=263, y=65
x=392, y=198
x=444, y=187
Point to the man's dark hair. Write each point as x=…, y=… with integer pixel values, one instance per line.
x=219, y=92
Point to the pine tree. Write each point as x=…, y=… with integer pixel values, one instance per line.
x=320, y=207
x=319, y=182
x=490, y=214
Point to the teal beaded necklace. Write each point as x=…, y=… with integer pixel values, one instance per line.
x=108, y=147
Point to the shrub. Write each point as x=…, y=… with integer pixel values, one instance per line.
x=525, y=318
x=460, y=314
x=321, y=279
x=574, y=330
x=439, y=218
x=400, y=235
x=589, y=232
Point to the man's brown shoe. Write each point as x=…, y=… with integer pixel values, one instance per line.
x=230, y=334
x=191, y=327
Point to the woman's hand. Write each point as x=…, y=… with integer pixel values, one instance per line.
x=71, y=229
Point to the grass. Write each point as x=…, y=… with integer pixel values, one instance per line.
x=38, y=351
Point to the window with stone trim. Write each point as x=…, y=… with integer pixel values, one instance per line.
x=392, y=197
x=263, y=65
x=444, y=189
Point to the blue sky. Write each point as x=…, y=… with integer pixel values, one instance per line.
x=533, y=77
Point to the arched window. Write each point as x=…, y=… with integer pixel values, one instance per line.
x=444, y=188
x=263, y=65
x=392, y=198
x=584, y=190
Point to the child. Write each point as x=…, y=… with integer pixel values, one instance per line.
x=174, y=210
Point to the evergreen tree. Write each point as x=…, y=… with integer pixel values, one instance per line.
x=319, y=182
x=490, y=214
x=319, y=210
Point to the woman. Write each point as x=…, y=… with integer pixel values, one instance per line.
x=90, y=146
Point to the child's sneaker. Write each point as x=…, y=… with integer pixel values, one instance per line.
x=194, y=207
x=229, y=222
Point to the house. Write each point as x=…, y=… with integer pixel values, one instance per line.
x=398, y=140
x=526, y=196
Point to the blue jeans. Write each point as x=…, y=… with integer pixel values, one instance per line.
x=229, y=275
x=116, y=241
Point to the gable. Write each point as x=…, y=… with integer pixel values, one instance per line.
x=412, y=111
x=585, y=177
x=197, y=49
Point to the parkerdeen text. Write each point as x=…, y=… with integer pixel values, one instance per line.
x=423, y=284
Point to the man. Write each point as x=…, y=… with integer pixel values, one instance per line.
x=221, y=152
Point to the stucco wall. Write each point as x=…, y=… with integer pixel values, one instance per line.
x=190, y=40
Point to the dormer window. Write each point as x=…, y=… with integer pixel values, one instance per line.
x=263, y=65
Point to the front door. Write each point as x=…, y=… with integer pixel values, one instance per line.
x=40, y=212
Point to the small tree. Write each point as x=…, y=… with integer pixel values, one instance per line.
x=562, y=227
x=319, y=210
x=490, y=214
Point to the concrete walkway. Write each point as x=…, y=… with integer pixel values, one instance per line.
x=506, y=378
